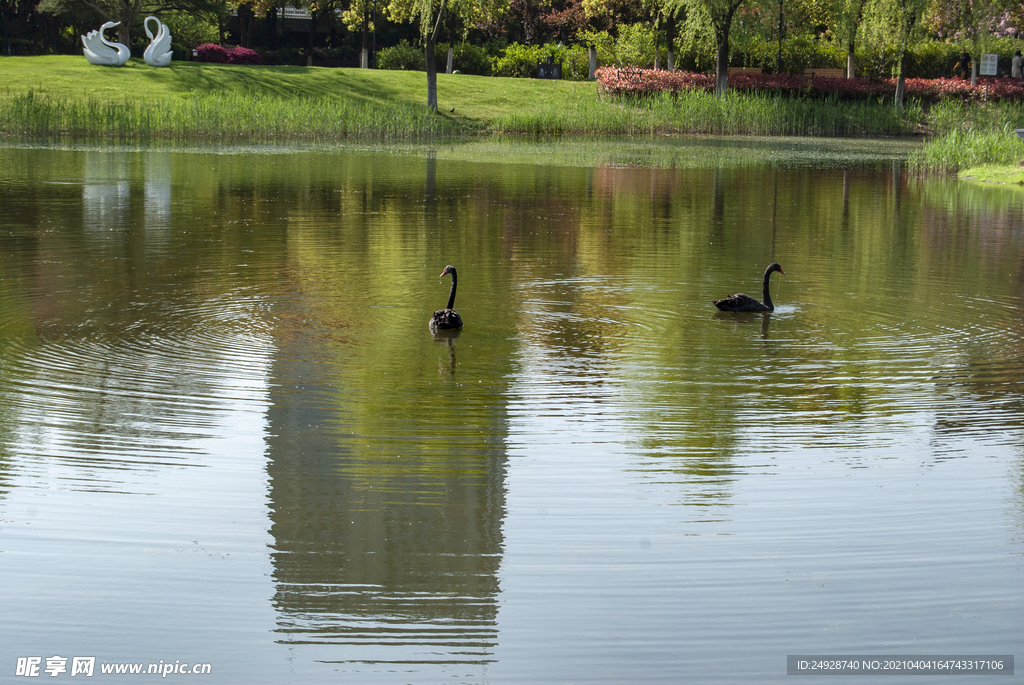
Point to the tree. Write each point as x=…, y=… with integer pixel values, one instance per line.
x=658, y=14
x=22, y=22
x=358, y=18
x=565, y=20
x=847, y=18
x=431, y=14
x=905, y=16
x=669, y=18
x=318, y=10
x=527, y=14
x=128, y=12
x=973, y=20
x=718, y=16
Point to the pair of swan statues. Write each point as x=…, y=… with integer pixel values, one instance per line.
x=99, y=50
x=449, y=319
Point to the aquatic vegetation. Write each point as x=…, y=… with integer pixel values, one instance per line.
x=700, y=112
x=222, y=117
x=971, y=134
x=961, y=149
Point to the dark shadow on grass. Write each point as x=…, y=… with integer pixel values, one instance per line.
x=280, y=82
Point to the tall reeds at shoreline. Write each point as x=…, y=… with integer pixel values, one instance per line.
x=702, y=113
x=970, y=136
x=216, y=118
x=964, y=149
x=250, y=118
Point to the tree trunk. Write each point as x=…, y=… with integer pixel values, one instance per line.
x=246, y=19
x=430, y=40
x=670, y=40
x=272, y=28
x=849, y=59
x=313, y=16
x=901, y=81
x=451, y=58
x=593, y=62
x=364, y=56
x=130, y=11
x=722, y=63
x=431, y=75
x=722, y=27
x=778, y=56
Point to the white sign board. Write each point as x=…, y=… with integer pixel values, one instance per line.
x=988, y=65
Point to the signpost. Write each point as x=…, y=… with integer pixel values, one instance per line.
x=989, y=64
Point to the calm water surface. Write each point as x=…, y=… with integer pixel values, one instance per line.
x=228, y=437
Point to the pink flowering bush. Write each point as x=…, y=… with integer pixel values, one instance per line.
x=211, y=52
x=244, y=56
x=632, y=81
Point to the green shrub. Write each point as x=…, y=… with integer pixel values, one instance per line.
x=403, y=57
x=519, y=60
x=190, y=29
x=576, y=63
x=635, y=46
x=467, y=59
x=295, y=57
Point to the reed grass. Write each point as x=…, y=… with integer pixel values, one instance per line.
x=703, y=113
x=217, y=118
x=959, y=149
x=971, y=135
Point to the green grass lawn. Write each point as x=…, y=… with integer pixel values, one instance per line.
x=477, y=100
x=994, y=173
x=65, y=97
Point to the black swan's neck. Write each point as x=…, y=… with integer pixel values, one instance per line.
x=766, y=291
x=451, y=295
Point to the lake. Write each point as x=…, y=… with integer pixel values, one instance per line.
x=230, y=440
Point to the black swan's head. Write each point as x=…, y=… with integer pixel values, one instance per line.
x=774, y=266
x=451, y=269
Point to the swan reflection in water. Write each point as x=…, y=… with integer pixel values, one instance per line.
x=447, y=338
x=99, y=50
x=764, y=317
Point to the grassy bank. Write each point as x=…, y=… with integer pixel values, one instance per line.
x=970, y=136
x=64, y=97
x=994, y=173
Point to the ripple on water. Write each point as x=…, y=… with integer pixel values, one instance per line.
x=136, y=396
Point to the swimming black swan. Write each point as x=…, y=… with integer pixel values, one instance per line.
x=447, y=318
x=745, y=303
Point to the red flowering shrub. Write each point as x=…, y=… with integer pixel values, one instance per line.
x=632, y=81
x=244, y=56
x=210, y=52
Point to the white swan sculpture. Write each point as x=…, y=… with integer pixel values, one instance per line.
x=159, y=53
x=99, y=50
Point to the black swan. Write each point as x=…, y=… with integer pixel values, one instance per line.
x=447, y=318
x=745, y=303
